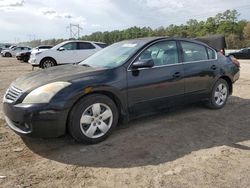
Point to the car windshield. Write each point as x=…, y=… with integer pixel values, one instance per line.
x=114, y=55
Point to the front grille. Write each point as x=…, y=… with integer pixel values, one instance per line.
x=12, y=94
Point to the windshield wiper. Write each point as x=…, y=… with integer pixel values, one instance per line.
x=85, y=65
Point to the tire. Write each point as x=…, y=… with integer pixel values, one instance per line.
x=25, y=59
x=47, y=62
x=219, y=95
x=90, y=126
x=8, y=54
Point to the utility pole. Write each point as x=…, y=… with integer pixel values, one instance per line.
x=74, y=30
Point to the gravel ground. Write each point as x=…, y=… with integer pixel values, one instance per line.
x=186, y=147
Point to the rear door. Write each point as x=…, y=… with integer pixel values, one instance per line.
x=151, y=89
x=84, y=50
x=200, y=67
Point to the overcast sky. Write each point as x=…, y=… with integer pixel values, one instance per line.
x=22, y=20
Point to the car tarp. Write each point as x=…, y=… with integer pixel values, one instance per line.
x=218, y=42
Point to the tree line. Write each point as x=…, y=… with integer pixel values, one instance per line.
x=237, y=32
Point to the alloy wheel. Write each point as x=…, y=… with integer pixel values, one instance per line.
x=96, y=120
x=220, y=94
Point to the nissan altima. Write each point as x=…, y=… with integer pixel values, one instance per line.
x=125, y=80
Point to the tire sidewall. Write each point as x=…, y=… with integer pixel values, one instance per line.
x=80, y=107
x=212, y=100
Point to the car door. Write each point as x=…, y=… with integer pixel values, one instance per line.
x=67, y=53
x=84, y=50
x=15, y=51
x=151, y=89
x=200, y=67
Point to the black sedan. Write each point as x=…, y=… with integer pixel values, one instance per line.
x=242, y=54
x=23, y=56
x=123, y=81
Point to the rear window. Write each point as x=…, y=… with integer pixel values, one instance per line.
x=102, y=45
x=44, y=47
x=193, y=52
x=211, y=53
x=85, y=46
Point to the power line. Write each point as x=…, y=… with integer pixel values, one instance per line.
x=74, y=30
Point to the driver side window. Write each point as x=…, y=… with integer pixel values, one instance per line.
x=162, y=53
x=70, y=46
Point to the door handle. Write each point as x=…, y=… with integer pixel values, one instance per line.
x=213, y=67
x=177, y=75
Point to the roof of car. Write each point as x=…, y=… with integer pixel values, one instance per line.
x=84, y=41
x=152, y=39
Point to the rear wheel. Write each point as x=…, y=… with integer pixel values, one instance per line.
x=47, y=62
x=219, y=95
x=93, y=119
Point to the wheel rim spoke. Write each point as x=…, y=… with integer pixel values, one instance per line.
x=103, y=127
x=91, y=131
x=86, y=119
x=220, y=87
x=96, y=109
x=106, y=114
x=224, y=91
x=96, y=120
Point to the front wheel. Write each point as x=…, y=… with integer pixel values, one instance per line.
x=8, y=54
x=219, y=95
x=93, y=119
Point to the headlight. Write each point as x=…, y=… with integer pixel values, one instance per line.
x=45, y=93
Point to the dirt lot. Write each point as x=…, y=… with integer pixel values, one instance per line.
x=188, y=147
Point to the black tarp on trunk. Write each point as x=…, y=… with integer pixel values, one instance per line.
x=217, y=42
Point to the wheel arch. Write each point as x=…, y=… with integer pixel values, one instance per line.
x=229, y=82
x=122, y=111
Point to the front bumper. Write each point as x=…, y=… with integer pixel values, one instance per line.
x=36, y=120
x=33, y=61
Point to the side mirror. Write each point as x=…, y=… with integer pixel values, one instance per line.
x=61, y=49
x=146, y=63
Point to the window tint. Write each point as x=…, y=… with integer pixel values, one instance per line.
x=70, y=46
x=193, y=52
x=211, y=53
x=162, y=53
x=102, y=45
x=85, y=46
x=44, y=47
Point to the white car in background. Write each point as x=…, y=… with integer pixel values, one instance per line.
x=11, y=52
x=68, y=52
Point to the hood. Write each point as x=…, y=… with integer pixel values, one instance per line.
x=53, y=74
x=6, y=50
x=34, y=51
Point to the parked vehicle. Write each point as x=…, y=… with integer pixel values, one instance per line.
x=4, y=47
x=68, y=52
x=242, y=54
x=12, y=51
x=25, y=56
x=125, y=80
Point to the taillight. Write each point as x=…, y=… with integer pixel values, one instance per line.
x=234, y=61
